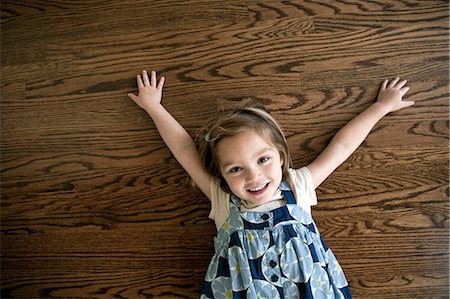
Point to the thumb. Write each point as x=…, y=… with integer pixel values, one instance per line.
x=408, y=103
x=133, y=96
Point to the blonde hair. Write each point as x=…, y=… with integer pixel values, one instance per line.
x=247, y=115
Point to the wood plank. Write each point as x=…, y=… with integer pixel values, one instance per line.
x=93, y=205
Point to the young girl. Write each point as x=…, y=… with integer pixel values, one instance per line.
x=267, y=245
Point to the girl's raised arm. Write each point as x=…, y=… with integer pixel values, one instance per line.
x=350, y=137
x=174, y=135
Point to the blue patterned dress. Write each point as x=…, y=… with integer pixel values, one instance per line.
x=276, y=254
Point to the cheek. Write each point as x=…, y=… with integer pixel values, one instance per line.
x=277, y=169
x=232, y=181
x=234, y=184
x=233, y=188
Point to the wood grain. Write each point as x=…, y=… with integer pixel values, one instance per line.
x=93, y=205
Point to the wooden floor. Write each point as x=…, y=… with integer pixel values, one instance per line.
x=93, y=205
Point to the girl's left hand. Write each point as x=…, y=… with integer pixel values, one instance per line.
x=391, y=95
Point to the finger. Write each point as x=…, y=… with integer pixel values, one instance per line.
x=401, y=83
x=384, y=84
x=161, y=83
x=145, y=76
x=404, y=90
x=140, y=84
x=393, y=82
x=153, y=78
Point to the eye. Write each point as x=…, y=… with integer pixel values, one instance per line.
x=235, y=169
x=263, y=160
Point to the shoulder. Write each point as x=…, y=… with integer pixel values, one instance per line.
x=220, y=203
x=301, y=182
x=217, y=193
x=301, y=176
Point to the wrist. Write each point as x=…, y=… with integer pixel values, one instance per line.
x=381, y=108
x=153, y=109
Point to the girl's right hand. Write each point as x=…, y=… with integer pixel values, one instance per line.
x=149, y=91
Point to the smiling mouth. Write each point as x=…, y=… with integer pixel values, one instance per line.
x=258, y=189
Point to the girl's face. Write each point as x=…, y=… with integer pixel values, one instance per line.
x=251, y=166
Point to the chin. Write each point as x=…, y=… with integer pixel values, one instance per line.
x=260, y=200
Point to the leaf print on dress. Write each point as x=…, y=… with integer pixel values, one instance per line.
x=255, y=242
x=241, y=276
x=290, y=290
x=261, y=289
x=212, y=268
x=337, y=293
x=221, y=288
x=235, y=223
x=320, y=285
x=299, y=214
x=296, y=261
x=337, y=275
x=231, y=225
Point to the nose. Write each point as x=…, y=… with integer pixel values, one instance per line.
x=252, y=174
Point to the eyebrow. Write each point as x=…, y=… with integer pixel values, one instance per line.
x=260, y=153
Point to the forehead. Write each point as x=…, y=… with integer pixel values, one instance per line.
x=246, y=144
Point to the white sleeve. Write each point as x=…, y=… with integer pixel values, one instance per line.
x=220, y=204
x=302, y=185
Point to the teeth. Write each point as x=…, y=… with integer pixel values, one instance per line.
x=256, y=189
